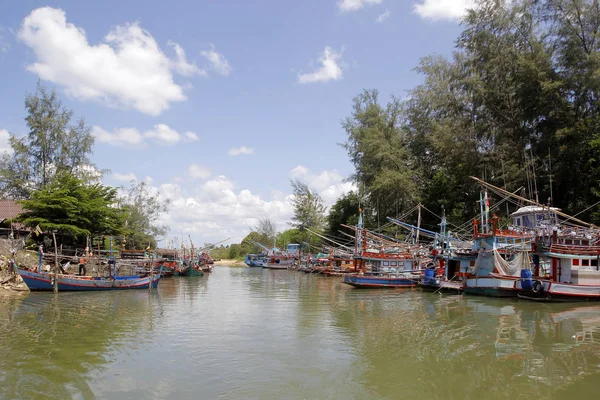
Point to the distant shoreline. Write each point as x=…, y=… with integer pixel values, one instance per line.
x=230, y=263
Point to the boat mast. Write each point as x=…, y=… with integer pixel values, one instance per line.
x=418, y=224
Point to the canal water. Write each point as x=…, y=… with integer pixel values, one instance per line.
x=243, y=333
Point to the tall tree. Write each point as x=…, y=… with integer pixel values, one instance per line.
x=309, y=208
x=143, y=210
x=377, y=145
x=52, y=146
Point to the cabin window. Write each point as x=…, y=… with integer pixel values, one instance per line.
x=518, y=221
x=585, y=263
x=517, y=240
x=575, y=261
x=393, y=263
x=569, y=241
x=386, y=263
x=594, y=262
x=472, y=263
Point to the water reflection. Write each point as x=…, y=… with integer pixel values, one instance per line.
x=50, y=343
x=252, y=333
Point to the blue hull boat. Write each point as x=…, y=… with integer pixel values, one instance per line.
x=379, y=281
x=45, y=281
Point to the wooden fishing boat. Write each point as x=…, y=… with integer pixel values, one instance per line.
x=377, y=280
x=255, y=260
x=280, y=261
x=45, y=281
x=191, y=270
x=574, y=275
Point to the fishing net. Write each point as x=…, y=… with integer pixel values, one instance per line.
x=514, y=266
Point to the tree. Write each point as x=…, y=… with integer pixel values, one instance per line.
x=266, y=230
x=309, y=208
x=53, y=146
x=72, y=207
x=385, y=170
x=142, y=210
x=344, y=211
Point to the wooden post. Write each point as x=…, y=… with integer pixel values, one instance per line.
x=55, y=263
x=151, y=269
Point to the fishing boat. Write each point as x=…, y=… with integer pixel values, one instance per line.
x=255, y=260
x=574, y=275
x=45, y=281
x=190, y=269
x=380, y=280
x=279, y=261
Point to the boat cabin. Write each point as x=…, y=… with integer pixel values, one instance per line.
x=293, y=249
x=531, y=217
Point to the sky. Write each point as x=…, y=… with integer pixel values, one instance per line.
x=218, y=104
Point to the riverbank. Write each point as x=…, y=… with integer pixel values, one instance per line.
x=230, y=263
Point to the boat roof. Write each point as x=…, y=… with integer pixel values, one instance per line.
x=533, y=209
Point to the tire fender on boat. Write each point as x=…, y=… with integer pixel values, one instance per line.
x=537, y=287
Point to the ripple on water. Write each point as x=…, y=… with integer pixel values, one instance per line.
x=252, y=333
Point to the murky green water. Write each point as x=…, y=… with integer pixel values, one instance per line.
x=260, y=334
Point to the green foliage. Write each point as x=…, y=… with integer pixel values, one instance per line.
x=377, y=145
x=309, y=208
x=52, y=147
x=73, y=208
x=344, y=211
x=522, y=88
x=142, y=210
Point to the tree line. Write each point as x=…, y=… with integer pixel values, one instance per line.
x=50, y=173
x=517, y=103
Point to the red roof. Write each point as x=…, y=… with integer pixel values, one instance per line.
x=9, y=209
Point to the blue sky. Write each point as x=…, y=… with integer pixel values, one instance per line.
x=217, y=104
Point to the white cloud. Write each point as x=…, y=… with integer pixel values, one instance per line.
x=354, y=5
x=127, y=69
x=180, y=64
x=328, y=183
x=236, y=151
x=216, y=209
x=329, y=70
x=161, y=134
x=124, y=177
x=217, y=61
x=191, y=137
x=383, y=16
x=4, y=45
x=4, y=142
x=196, y=171
x=443, y=9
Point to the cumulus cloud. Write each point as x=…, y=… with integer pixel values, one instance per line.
x=330, y=68
x=181, y=65
x=328, y=183
x=124, y=177
x=443, y=9
x=383, y=16
x=354, y=5
x=161, y=134
x=236, y=151
x=196, y=171
x=127, y=69
x=215, y=208
x=4, y=142
x=217, y=61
